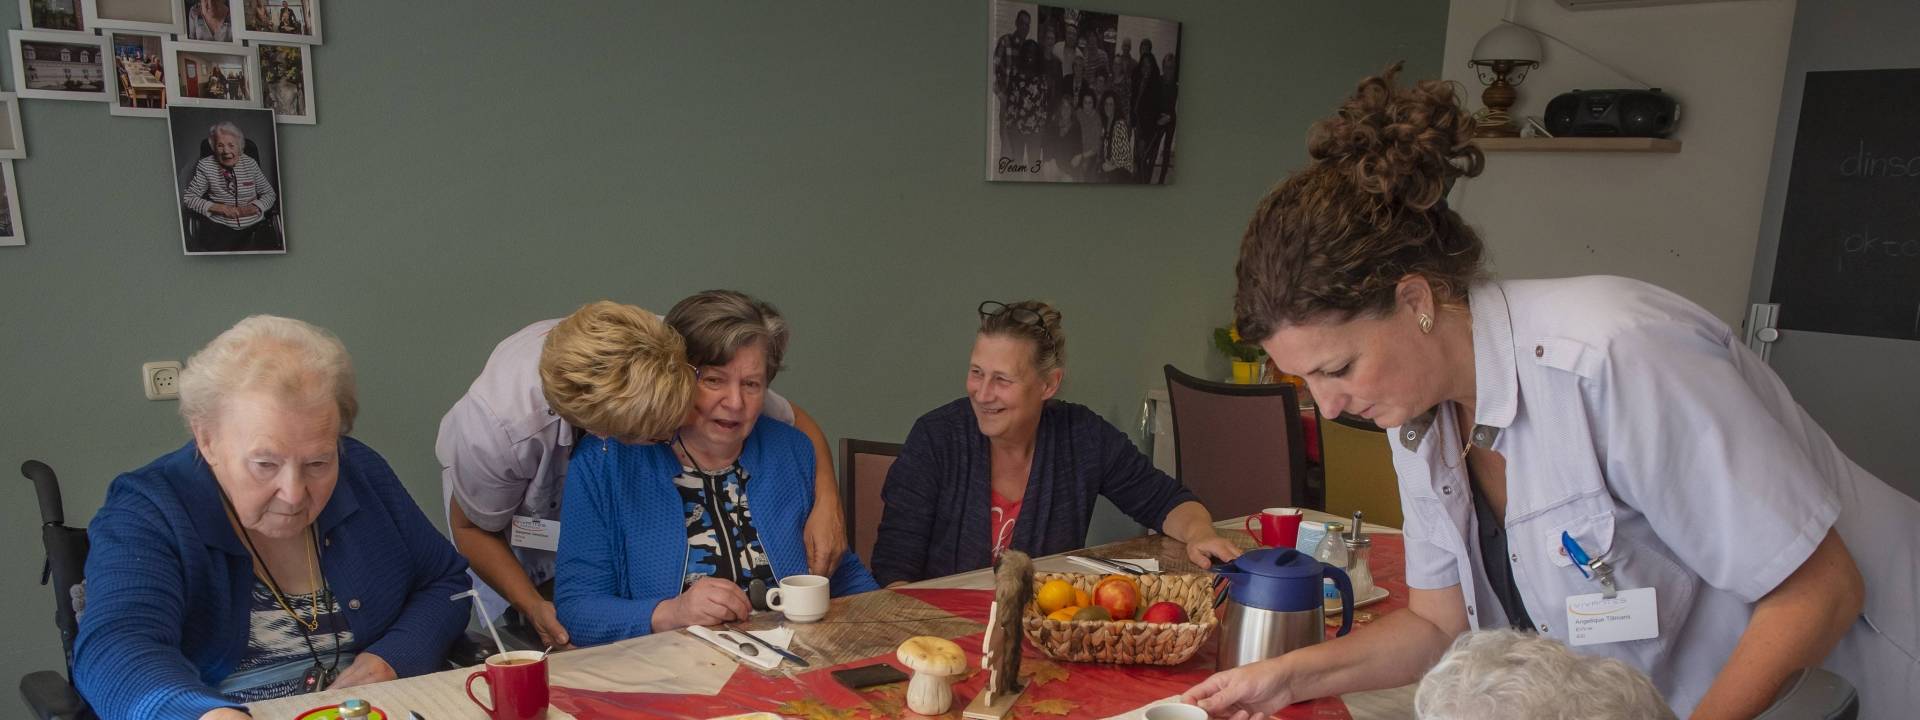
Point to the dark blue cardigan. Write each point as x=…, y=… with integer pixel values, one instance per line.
x=938, y=495
x=169, y=584
x=623, y=537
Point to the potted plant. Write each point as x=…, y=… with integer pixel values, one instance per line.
x=1248, y=359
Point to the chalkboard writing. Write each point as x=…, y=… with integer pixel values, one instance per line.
x=1849, y=258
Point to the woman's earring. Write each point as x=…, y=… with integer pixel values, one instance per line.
x=1426, y=324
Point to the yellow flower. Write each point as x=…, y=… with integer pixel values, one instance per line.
x=1233, y=333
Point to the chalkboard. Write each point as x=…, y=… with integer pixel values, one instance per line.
x=1849, y=259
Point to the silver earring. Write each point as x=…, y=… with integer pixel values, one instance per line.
x=1426, y=324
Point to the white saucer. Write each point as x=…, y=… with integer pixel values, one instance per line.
x=1378, y=594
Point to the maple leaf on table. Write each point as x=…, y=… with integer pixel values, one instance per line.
x=812, y=710
x=1039, y=673
x=1053, y=706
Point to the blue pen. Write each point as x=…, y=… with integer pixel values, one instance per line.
x=1580, y=559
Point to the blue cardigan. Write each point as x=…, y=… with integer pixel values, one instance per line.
x=623, y=534
x=169, y=584
x=939, y=495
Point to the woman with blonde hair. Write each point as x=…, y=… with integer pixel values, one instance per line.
x=1567, y=448
x=272, y=555
x=607, y=370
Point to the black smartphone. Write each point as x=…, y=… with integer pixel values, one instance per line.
x=867, y=676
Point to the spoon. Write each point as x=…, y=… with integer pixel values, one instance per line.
x=746, y=648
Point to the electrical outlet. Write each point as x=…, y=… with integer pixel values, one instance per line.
x=161, y=379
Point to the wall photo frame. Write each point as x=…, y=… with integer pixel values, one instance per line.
x=211, y=75
x=155, y=16
x=227, y=180
x=12, y=231
x=59, y=65
x=284, y=21
x=139, y=73
x=286, y=76
x=209, y=21
x=54, y=16
x=16, y=144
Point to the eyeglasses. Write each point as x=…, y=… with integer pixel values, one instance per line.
x=1025, y=316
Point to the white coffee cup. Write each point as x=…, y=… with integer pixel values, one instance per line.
x=1175, y=711
x=803, y=598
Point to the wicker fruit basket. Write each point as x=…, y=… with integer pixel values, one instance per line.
x=1127, y=642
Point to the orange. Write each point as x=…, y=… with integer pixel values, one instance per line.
x=1081, y=598
x=1064, y=614
x=1055, y=594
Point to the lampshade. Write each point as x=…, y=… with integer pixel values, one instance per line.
x=1508, y=42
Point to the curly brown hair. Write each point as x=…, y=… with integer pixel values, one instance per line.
x=1333, y=239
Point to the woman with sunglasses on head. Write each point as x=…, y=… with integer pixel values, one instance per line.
x=1592, y=452
x=1008, y=466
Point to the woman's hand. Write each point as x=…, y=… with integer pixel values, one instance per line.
x=1243, y=693
x=546, y=622
x=367, y=668
x=826, y=539
x=226, y=714
x=710, y=601
x=1210, y=550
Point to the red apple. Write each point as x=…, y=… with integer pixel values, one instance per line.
x=1121, y=599
x=1165, y=612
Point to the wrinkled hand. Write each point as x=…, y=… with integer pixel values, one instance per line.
x=367, y=668
x=710, y=601
x=826, y=538
x=1207, y=552
x=225, y=714
x=1248, y=692
x=546, y=621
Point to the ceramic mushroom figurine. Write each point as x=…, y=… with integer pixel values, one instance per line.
x=934, y=662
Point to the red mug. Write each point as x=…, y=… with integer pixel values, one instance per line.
x=517, y=684
x=1279, y=527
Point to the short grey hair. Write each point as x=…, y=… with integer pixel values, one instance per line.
x=719, y=323
x=1499, y=674
x=228, y=127
x=287, y=357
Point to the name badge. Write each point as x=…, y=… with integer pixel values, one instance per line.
x=1596, y=619
x=536, y=534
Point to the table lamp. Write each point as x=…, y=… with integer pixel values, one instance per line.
x=1501, y=59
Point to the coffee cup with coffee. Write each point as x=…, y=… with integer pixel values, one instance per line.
x=516, y=683
x=803, y=598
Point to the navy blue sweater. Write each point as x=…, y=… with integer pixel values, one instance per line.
x=938, y=519
x=169, y=584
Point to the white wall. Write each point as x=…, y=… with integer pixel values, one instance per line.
x=1688, y=221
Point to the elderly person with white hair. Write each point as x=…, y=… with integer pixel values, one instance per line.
x=1502, y=674
x=232, y=193
x=270, y=556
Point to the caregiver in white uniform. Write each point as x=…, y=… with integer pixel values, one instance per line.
x=1634, y=483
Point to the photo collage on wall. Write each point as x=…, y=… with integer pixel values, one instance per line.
x=224, y=72
x=1079, y=96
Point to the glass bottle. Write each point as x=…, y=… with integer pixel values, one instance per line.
x=1332, y=551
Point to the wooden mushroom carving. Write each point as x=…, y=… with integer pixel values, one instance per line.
x=934, y=662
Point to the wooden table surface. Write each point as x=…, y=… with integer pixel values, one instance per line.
x=858, y=627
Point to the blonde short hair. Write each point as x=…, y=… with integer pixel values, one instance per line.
x=617, y=371
x=287, y=357
x=1498, y=674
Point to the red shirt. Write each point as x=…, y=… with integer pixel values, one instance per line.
x=1004, y=513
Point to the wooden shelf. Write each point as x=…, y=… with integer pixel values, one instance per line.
x=1579, y=144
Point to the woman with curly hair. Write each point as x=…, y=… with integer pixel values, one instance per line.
x=1575, y=456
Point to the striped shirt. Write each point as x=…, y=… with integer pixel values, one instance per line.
x=244, y=184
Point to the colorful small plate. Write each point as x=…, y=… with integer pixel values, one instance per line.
x=332, y=712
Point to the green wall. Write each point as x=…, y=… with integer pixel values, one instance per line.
x=480, y=166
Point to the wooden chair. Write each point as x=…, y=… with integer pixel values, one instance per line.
x=1241, y=448
x=864, y=465
x=1359, y=470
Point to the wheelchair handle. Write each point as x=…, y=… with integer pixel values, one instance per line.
x=47, y=487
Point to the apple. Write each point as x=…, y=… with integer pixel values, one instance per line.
x=1165, y=612
x=1121, y=599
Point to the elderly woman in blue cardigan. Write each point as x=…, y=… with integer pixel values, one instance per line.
x=659, y=536
x=270, y=556
x=1009, y=466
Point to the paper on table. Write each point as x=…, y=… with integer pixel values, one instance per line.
x=671, y=663
x=1148, y=564
x=729, y=641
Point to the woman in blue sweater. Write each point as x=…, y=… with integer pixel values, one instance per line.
x=1009, y=466
x=661, y=536
x=270, y=556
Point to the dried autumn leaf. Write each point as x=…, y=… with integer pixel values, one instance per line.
x=1052, y=706
x=812, y=710
x=1039, y=673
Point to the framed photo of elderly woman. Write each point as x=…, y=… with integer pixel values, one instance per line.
x=59, y=65
x=58, y=15
x=211, y=75
x=287, y=71
x=1080, y=96
x=292, y=21
x=12, y=232
x=226, y=166
x=159, y=16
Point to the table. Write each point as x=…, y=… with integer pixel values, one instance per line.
x=656, y=675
